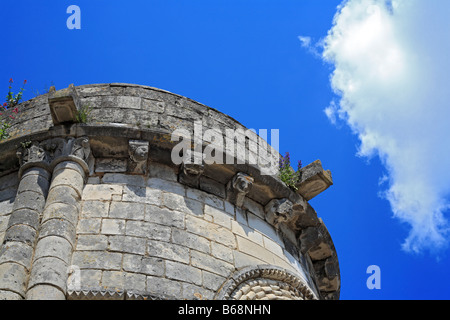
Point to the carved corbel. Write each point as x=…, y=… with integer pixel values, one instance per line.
x=278, y=211
x=190, y=174
x=238, y=188
x=138, y=156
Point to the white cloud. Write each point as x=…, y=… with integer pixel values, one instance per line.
x=391, y=72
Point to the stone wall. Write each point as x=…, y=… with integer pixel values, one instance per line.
x=156, y=237
x=100, y=211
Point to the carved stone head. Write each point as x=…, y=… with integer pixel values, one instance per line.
x=242, y=182
x=278, y=210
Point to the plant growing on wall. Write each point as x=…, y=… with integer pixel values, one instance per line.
x=84, y=114
x=287, y=174
x=12, y=100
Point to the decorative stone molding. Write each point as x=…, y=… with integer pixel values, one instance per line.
x=265, y=282
x=110, y=294
x=278, y=211
x=138, y=156
x=238, y=188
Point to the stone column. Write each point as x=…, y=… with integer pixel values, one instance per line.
x=18, y=246
x=49, y=273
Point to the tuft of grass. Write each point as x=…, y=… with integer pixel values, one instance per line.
x=84, y=114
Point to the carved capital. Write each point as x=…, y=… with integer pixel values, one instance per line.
x=278, y=211
x=138, y=156
x=48, y=153
x=238, y=188
x=32, y=153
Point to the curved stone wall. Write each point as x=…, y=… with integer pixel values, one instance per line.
x=100, y=211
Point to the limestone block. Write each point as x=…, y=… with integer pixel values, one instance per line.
x=127, y=210
x=64, y=104
x=313, y=180
x=163, y=216
x=113, y=226
x=57, y=227
x=145, y=265
x=97, y=260
x=163, y=287
x=89, y=226
x=92, y=242
x=49, y=270
x=101, y=191
x=53, y=246
x=20, y=233
x=95, y=209
x=190, y=240
x=148, y=230
x=9, y=295
x=63, y=211
x=219, y=217
x=12, y=278
x=16, y=252
x=210, y=231
x=24, y=217
x=168, y=251
x=127, y=244
x=211, y=264
x=45, y=292
x=183, y=272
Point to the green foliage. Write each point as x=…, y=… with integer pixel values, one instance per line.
x=4, y=126
x=12, y=100
x=84, y=114
x=287, y=174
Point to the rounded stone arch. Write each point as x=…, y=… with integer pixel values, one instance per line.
x=265, y=282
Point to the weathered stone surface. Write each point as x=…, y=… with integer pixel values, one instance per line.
x=53, y=246
x=16, y=252
x=183, y=272
x=64, y=105
x=143, y=227
x=24, y=217
x=49, y=270
x=45, y=292
x=97, y=260
x=278, y=211
x=145, y=265
x=138, y=156
x=238, y=188
x=313, y=180
x=190, y=174
x=12, y=278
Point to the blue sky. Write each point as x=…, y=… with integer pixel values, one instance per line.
x=245, y=59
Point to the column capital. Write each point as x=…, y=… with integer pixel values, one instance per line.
x=48, y=153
